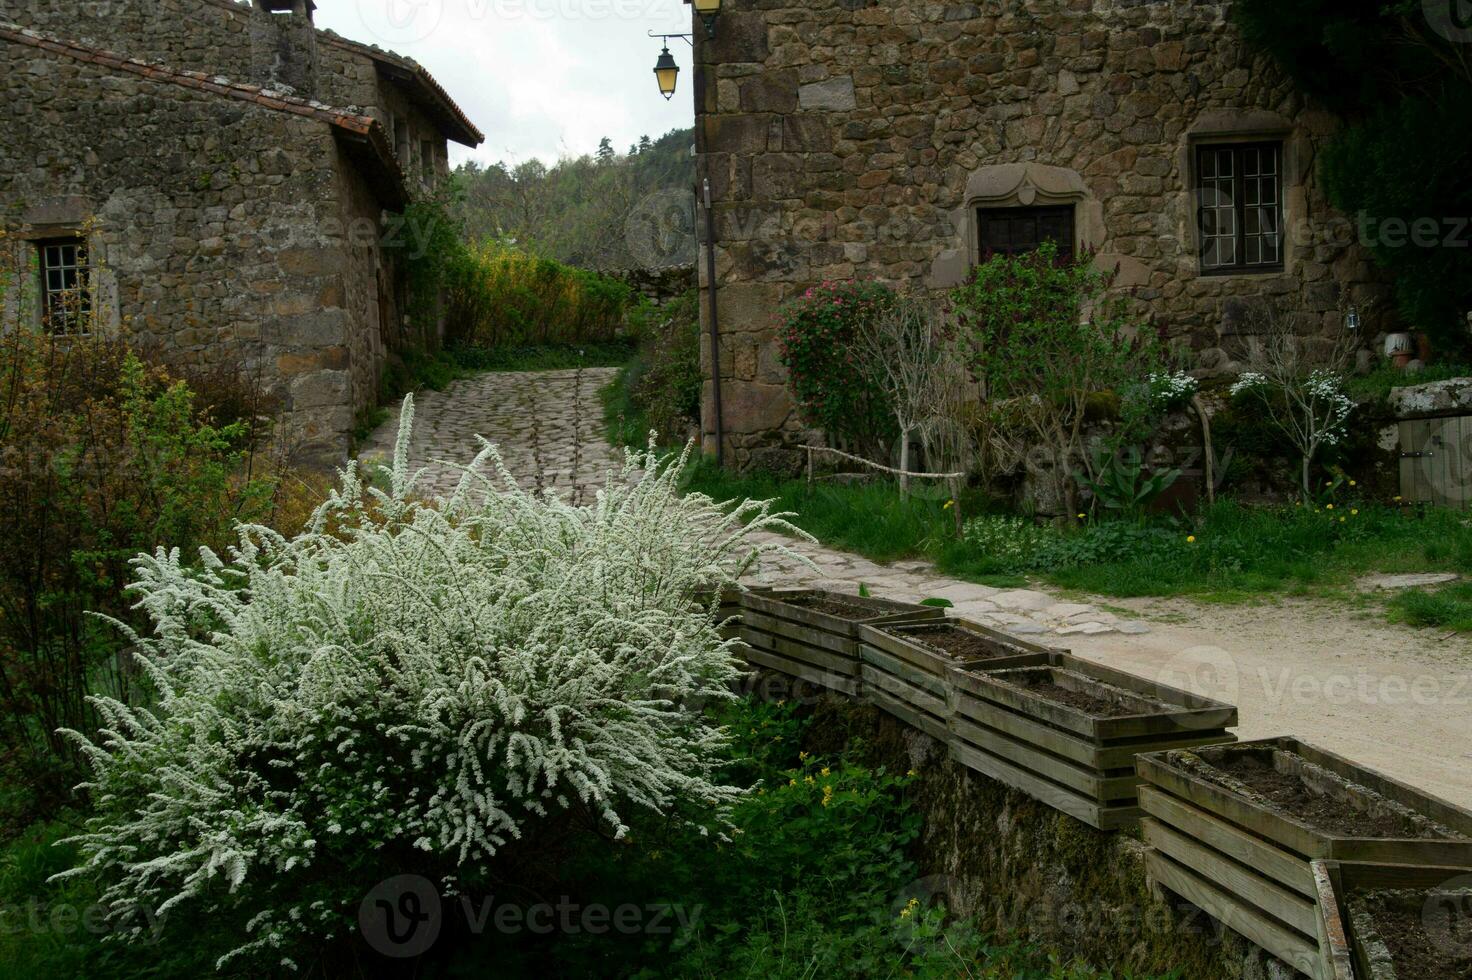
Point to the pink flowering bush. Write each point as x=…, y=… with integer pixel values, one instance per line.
x=816, y=339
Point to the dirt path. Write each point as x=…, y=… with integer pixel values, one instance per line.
x=1393, y=698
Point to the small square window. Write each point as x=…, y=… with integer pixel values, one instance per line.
x=1011, y=231
x=66, y=299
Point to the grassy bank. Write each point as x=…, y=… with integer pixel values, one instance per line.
x=1228, y=553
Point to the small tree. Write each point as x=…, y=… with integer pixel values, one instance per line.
x=1042, y=337
x=1298, y=383
x=908, y=353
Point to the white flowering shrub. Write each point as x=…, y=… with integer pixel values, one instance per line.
x=1311, y=409
x=1169, y=389
x=408, y=687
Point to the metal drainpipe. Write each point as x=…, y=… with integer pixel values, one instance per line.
x=715, y=323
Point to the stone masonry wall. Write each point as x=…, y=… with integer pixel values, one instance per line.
x=219, y=229
x=851, y=139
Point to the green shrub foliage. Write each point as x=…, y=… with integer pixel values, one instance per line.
x=665, y=379
x=817, y=344
x=1405, y=154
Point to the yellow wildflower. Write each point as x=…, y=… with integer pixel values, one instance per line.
x=910, y=773
x=909, y=908
x=808, y=780
x=1397, y=499
x=827, y=795
x=801, y=756
x=791, y=782
x=1341, y=520
x=1083, y=517
x=824, y=772
x=1353, y=484
x=1190, y=539
x=1354, y=512
x=1328, y=506
x=949, y=505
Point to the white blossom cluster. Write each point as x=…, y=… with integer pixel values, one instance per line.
x=1248, y=381
x=404, y=676
x=1170, y=388
x=1325, y=391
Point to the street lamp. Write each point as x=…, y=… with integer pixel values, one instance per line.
x=708, y=10
x=666, y=70
x=667, y=73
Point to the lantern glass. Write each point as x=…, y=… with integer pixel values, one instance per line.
x=667, y=72
x=707, y=8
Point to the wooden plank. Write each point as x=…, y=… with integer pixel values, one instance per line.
x=788, y=647
x=1335, y=954
x=905, y=712
x=875, y=679
x=842, y=645
x=1040, y=789
x=793, y=668
x=1286, y=945
x=916, y=676
x=1291, y=836
x=1084, y=751
x=1255, y=890
x=1088, y=782
x=1286, y=869
x=1454, y=817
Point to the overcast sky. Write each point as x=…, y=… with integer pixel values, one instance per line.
x=540, y=78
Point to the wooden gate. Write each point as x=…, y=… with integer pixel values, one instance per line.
x=1436, y=461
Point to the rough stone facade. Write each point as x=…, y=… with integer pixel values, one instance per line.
x=226, y=224
x=850, y=139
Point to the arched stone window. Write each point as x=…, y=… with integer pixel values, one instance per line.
x=1011, y=207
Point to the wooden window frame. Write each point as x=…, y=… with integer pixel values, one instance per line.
x=985, y=215
x=1239, y=208
x=55, y=317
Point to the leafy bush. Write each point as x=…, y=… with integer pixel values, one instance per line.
x=1402, y=84
x=817, y=340
x=500, y=296
x=1043, y=338
x=405, y=687
x=666, y=380
x=1009, y=544
x=100, y=455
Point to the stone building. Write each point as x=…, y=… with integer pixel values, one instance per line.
x=220, y=181
x=903, y=139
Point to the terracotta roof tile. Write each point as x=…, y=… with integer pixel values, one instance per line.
x=364, y=127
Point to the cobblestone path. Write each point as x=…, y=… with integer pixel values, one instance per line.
x=548, y=425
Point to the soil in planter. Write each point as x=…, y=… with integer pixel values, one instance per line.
x=1400, y=924
x=958, y=643
x=832, y=607
x=1042, y=685
x=1288, y=793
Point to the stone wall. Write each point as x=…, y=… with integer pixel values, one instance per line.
x=221, y=229
x=659, y=286
x=1024, y=871
x=847, y=140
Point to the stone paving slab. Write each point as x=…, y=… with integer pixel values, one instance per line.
x=549, y=427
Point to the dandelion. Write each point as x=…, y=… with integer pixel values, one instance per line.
x=1190, y=539
x=1354, y=512
x=949, y=504
x=1353, y=484
x=910, y=773
x=824, y=771
x=1083, y=517
x=802, y=756
x=1328, y=506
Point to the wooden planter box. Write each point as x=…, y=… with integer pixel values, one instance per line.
x=1077, y=758
x=1232, y=852
x=1352, y=945
x=782, y=633
x=910, y=678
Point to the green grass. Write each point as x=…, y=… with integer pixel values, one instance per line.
x=554, y=357
x=1376, y=385
x=1240, y=555
x=1449, y=607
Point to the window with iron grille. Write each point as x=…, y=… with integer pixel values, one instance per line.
x=1239, y=207
x=66, y=303
x=1012, y=231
